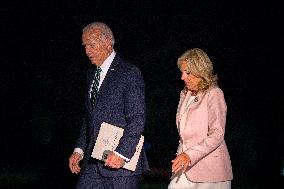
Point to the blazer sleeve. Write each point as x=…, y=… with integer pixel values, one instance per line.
x=82, y=139
x=217, y=111
x=134, y=110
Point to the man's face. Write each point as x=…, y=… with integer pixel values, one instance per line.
x=96, y=49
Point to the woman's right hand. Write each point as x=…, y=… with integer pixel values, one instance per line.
x=181, y=162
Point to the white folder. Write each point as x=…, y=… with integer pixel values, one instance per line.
x=108, y=140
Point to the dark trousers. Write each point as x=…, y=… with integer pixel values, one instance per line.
x=91, y=179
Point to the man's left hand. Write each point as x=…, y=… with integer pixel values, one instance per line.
x=114, y=161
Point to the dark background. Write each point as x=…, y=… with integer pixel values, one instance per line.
x=43, y=69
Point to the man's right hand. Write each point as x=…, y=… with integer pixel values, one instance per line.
x=74, y=160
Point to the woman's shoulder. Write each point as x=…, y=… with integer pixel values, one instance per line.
x=214, y=88
x=214, y=91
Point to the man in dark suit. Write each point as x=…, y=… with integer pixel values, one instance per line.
x=115, y=94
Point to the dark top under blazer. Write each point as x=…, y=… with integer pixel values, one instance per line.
x=121, y=102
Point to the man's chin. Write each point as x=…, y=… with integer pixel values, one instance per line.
x=94, y=63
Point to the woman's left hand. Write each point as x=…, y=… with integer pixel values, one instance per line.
x=182, y=161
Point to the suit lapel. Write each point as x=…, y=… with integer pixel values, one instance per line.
x=110, y=73
x=91, y=74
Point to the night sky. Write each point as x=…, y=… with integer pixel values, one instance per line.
x=43, y=75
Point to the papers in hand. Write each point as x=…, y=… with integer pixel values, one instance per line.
x=108, y=140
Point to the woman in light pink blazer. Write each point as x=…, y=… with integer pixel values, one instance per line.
x=202, y=158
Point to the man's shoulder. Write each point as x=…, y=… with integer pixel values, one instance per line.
x=125, y=64
x=122, y=60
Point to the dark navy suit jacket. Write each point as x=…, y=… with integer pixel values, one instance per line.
x=121, y=102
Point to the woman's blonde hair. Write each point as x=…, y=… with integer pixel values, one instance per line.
x=199, y=65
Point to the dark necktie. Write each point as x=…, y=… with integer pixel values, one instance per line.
x=95, y=85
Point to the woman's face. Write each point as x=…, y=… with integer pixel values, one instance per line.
x=191, y=81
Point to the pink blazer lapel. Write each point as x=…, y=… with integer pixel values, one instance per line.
x=185, y=106
x=184, y=103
